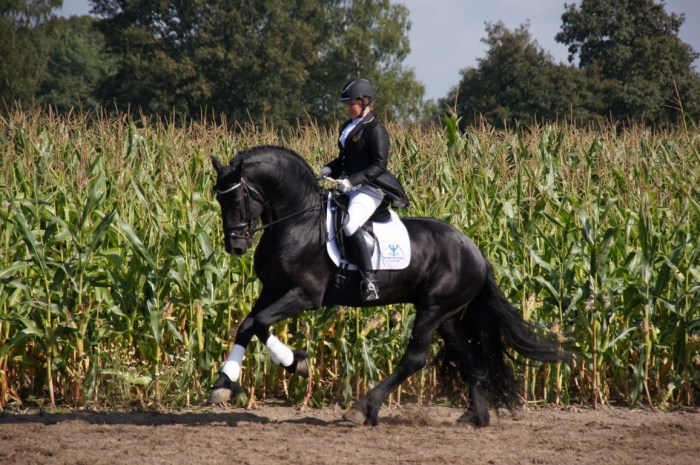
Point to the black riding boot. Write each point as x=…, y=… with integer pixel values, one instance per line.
x=370, y=291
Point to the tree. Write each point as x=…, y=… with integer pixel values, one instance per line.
x=75, y=64
x=274, y=61
x=366, y=38
x=518, y=81
x=244, y=59
x=633, y=57
x=22, y=50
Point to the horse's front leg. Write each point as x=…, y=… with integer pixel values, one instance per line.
x=266, y=311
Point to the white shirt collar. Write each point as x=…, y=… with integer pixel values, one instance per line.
x=348, y=129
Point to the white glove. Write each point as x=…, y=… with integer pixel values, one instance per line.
x=344, y=185
x=325, y=171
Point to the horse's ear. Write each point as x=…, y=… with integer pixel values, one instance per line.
x=216, y=164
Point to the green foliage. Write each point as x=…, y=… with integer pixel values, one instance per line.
x=76, y=63
x=633, y=58
x=517, y=82
x=633, y=68
x=115, y=287
x=365, y=38
x=243, y=59
x=22, y=50
x=275, y=62
x=270, y=62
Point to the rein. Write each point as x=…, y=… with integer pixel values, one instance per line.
x=249, y=222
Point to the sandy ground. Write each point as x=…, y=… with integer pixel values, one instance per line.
x=277, y=433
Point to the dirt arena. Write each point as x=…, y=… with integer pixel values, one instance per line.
x=281, y=434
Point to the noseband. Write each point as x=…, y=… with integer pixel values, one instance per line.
x=247, y=226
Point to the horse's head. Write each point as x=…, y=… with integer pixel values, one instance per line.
x=241, y=206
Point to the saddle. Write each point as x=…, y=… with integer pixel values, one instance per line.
x=384, y=232
x=340, y=213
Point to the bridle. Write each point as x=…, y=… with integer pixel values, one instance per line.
x=247, y=226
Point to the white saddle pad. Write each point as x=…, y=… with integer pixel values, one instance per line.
x=392, y=247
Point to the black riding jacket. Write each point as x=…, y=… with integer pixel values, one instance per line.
x=365, y=158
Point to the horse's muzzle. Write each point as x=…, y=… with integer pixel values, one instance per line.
x=237, y=245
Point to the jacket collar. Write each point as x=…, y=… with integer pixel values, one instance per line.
x=369, y=117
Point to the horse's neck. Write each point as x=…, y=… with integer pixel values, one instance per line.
x=287, y=189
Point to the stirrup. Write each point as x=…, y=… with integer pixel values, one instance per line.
x=369, y=290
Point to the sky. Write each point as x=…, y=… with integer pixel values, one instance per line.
x=446, y=35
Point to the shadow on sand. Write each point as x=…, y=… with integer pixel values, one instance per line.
x=154, y=418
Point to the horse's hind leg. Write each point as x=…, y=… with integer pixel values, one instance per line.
x=366, y=409
x=472, y=369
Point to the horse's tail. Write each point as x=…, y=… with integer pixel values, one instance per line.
x=488, y=326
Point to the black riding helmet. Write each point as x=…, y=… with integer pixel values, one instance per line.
x=356, y=88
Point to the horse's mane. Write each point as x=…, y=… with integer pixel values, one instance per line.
x=275, y=150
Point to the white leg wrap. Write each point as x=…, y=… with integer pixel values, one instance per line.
x=232, y=367
x=279, y=353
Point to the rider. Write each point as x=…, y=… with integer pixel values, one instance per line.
x=362, y=168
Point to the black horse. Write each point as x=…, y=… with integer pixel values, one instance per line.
x=449, y=281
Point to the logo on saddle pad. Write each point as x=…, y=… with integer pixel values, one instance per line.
x=393, y=252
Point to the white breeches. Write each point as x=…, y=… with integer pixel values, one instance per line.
x=363, y=203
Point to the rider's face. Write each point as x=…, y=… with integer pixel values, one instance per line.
x=354, y=108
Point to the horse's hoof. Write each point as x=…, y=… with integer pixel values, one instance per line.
x=302, y=368
x=300, y=365
x=355, y=416
x=223, y=390
x=220, y=395
x=474, y=418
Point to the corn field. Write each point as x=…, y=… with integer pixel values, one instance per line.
x=115, y=289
